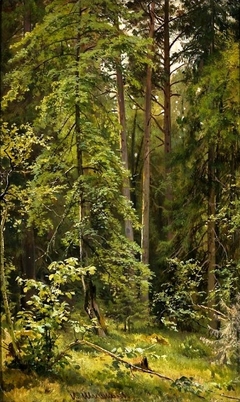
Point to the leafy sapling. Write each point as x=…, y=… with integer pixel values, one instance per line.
x=38, y=327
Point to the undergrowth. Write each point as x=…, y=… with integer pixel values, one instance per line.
x=95, y=376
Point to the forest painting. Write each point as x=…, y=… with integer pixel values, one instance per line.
x=120, y=200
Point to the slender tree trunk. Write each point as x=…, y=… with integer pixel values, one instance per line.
x=134, y=161
x=146, y=152
x=233, y=248
x=211, y=236
x=212, y=209
x=28, y=253
x=123, y=145
x=27, y=17
x=28, y=264
x=90, y=303
x=167, y=84
x=27, y=258
x=167, y=112
x=146, y=176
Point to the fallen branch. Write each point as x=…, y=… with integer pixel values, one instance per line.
x=230, y=397
x=100, y=349
x=123, y=361
x=130, y=365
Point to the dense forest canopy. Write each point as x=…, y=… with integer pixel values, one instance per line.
x=120, y=161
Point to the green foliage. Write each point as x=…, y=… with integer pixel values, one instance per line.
x=174, y=305
x=207, y=122
x=59, y=99
x=228, y=283
x=91, y=372
x=62, y=66
x=192, y=348
x=206, y=26
x=129, y=352
x=188, y=384
x=49, y=311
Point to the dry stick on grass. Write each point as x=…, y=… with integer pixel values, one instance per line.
x=230, y=397
x=100, y=349
x=130, y=365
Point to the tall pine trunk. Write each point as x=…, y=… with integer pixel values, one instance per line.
x=212, y=209
x=28, y=265
x=211, y=235
x=146, y=152
x=167, y=113
x=123, y=145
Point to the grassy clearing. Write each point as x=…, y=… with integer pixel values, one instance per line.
x=93, y=376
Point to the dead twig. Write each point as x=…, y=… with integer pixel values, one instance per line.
x=100, y=349
x=128, y=364
x=230, y=397
x=223, y=316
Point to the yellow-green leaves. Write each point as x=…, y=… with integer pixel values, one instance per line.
x=68, y=270
x=18, y=143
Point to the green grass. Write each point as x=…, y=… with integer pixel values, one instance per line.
x=91, y=375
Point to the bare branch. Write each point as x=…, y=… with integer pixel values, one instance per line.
x=100, y=349
x=218, y=313
x=230, y=397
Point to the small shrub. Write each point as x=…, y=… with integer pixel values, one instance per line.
x=174, y=304
x=48, y=312
x=192, y=347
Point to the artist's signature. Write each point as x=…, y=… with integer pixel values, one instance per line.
x=79, y=396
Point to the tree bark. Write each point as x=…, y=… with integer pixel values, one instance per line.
x=92, y=309
x=211, y=236
x=90, y=303
x=167, y=113
x=212, y=208
x=28, y=253
x=134, y=161
x=27, y=18
x=123, y=145
x=167, y=84
x=27, y=261
x=146, y=152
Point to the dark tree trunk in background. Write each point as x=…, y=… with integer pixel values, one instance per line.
x=92, y=309
x=212, y=207
x=211, y=235
x=27, y=17
x=28, y=266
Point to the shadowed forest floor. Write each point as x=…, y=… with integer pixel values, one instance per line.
x=95, y=376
